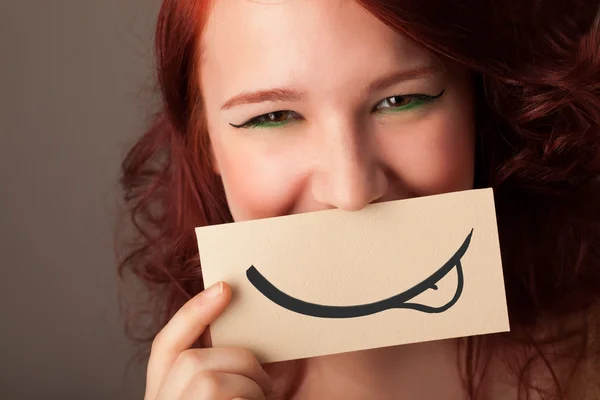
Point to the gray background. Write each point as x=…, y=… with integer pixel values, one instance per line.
x=76, y=87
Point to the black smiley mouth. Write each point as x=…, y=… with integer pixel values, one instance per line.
x=400, y=300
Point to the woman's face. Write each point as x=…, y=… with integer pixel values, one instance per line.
x=332, y=109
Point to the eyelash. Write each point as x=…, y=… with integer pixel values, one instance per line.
x=268, y=120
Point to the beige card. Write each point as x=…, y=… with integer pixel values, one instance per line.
x=336, y=281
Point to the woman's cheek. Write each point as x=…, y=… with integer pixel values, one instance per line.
x=433, y=158
x=259, y=186
x=452, y=168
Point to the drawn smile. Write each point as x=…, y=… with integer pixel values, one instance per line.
x=401, y=300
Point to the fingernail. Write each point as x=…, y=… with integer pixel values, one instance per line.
x=213, y=291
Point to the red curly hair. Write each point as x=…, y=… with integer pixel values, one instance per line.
x=536, y=64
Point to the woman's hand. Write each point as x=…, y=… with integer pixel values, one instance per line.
x=177, y=372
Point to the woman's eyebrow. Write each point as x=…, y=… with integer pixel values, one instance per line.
x=262, y=96
x=395, y=77
x=291, y=95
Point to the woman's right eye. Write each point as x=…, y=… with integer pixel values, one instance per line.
x=270, y=120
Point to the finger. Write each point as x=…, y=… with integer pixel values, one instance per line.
x=182, y=331
x=205, y=338
x=222, y=386
x=224, y=359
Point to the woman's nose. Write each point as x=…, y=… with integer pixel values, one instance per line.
x=349, y=174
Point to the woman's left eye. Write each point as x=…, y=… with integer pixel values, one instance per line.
x=405, y=102
x=394, y=101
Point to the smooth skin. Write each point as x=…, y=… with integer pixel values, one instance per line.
x=361, y=115
x=175, y=371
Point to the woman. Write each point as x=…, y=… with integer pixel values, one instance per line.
x=281, y=107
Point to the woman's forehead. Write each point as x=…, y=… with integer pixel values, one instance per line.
x=279, y=42
x=243, y=26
